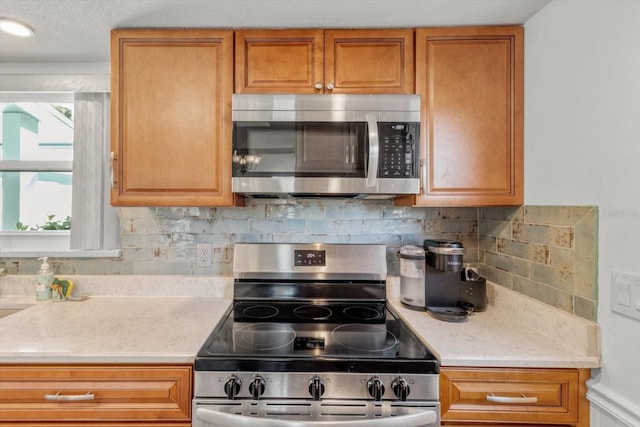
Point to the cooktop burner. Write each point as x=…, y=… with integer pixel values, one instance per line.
x=313, y=312
x=260, y=312
x=365, y=338
x=263, y=336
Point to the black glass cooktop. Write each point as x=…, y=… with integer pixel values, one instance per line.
x=295, y=336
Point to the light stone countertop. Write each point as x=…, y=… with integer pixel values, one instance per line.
x=125, y=319
x=110, y=330
x=515, y=331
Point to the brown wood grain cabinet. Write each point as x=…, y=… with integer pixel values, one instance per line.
x=470, y=80
x=115, y=395
x=171, y=117
x=324, y=61
x=505, y=397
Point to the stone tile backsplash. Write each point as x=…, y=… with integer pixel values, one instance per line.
x=546, y=252
x=162, y=241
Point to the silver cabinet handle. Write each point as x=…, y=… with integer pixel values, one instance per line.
x=73, y=397
x=223, y=419
x=318, y=86
x=506, y=399
x=329, y=86
x=374, y=151
x=112, y=161
x=422, y=176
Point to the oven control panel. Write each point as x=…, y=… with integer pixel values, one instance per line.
x=312, y=385
x=311, y=258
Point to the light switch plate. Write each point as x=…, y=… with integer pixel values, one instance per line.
x=625, y=297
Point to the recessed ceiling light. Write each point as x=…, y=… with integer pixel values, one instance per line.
x=11, y=26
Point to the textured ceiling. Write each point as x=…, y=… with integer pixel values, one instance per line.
x=78, y=30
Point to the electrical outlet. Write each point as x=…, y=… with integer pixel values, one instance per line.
x=203, y=255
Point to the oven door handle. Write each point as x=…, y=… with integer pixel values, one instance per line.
x=223, y=419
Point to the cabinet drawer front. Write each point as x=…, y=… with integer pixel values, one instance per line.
x=546, y=395
x=129, y=392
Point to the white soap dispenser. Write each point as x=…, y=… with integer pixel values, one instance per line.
x=44, y=279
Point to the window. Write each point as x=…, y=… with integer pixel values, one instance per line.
x=54, y=175
x=36, y=142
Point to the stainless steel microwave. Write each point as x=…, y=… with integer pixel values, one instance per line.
x=326, y=145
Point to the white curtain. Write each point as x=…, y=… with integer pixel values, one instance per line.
x=94, y=222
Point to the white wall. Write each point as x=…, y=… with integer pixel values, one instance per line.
x=582, y=146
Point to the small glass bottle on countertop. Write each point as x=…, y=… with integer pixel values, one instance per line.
x=44, y=279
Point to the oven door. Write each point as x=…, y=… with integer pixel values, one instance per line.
x=325, y=413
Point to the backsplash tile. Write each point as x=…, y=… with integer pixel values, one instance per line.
x=546, y=252
x=162, y=241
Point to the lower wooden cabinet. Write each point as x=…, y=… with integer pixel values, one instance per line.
x=88, y=395
x=505, y=397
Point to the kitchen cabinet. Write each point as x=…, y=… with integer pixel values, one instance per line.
x=324, y=61
x=503, y=396
x=470, y=80
x=171, y=117
x=92, y=395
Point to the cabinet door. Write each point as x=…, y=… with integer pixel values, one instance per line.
x=503, y=396
x=279, y=61
x=331, y=61
x=116, y=394
x=171, y=117
x=369, y=61
x=471, y=86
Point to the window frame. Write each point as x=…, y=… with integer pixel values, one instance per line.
x=95, y=224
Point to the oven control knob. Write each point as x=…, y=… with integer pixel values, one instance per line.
x=376, y=388
x=316, y=387
x=400, y=389
x=257, y=386
x=232, y=387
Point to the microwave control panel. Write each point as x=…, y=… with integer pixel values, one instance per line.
x=398, y=150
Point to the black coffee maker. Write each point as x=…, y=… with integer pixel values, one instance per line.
x=450, y=288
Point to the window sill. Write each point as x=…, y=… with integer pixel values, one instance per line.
x=55, y=244
x=32, y=253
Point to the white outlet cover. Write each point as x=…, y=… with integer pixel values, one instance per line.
x=203, y=254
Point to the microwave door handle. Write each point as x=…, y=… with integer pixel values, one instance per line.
x=223, y=419
x=374, y=151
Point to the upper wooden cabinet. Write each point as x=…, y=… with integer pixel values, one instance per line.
x=324, y=61
x=171, y=117
x=471, y=86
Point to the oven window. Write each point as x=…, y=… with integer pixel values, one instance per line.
x=299, y=149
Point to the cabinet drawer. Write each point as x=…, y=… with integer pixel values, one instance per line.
x=547, y=396
x=86, y=393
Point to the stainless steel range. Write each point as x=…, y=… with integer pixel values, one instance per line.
x=309, y=341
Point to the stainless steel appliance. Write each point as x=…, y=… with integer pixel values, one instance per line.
x=451, y=291
x=412, y=270
x=310, y=341
x=325, y=145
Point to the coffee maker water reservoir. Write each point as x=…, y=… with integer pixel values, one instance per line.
x=412, y=267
